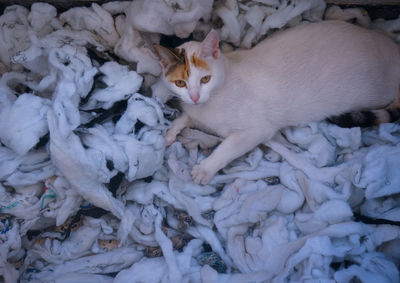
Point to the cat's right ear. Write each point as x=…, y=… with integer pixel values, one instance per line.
x=165, y=55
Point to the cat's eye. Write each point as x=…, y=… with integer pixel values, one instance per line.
x=180, y=83
x=205, y=79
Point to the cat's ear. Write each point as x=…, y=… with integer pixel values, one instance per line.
x=210, y=45
x=166, y=56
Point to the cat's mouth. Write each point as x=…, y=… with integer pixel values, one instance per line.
x=191, y=102
x=196, y=103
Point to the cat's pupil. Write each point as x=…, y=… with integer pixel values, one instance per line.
x=205, y=79
x=180, y=83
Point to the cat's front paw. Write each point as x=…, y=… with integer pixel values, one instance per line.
x=202, y=174
x=170, y=138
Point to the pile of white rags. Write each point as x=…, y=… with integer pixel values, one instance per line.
x=90, y=193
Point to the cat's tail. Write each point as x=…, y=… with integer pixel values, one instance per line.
x=369, y=117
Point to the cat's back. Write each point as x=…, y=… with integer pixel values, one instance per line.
x=332, y=30
x=328, y=56
x=323, y=41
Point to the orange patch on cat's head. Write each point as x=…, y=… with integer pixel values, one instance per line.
x=180, y=72
x=198, y=62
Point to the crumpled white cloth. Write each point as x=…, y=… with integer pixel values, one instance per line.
x=88, y=266
x=59, y=74
x=21, y=133
x=245, y=25
x=337, y=13
x=95, y=19
x=168, y=17
x=283, y=213
x=121, y=83
x=13, y=33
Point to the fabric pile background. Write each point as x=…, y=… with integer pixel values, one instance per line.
x=89, y=193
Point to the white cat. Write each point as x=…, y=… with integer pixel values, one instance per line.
x=296, y=76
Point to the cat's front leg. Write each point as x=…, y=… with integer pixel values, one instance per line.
x=177, y=126
x=231, y=148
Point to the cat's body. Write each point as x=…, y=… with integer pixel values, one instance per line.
x=304, y=74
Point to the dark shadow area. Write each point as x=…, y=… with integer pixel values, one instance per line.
x=61, y=5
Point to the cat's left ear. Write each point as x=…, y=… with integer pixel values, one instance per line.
x=210, y=45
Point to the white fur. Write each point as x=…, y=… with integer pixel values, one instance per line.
x=304, y=74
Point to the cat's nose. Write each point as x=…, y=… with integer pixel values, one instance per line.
x=195, y=97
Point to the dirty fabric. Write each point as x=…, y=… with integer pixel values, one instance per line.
x=90, y=193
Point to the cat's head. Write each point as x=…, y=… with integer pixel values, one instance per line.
x=194, y=70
